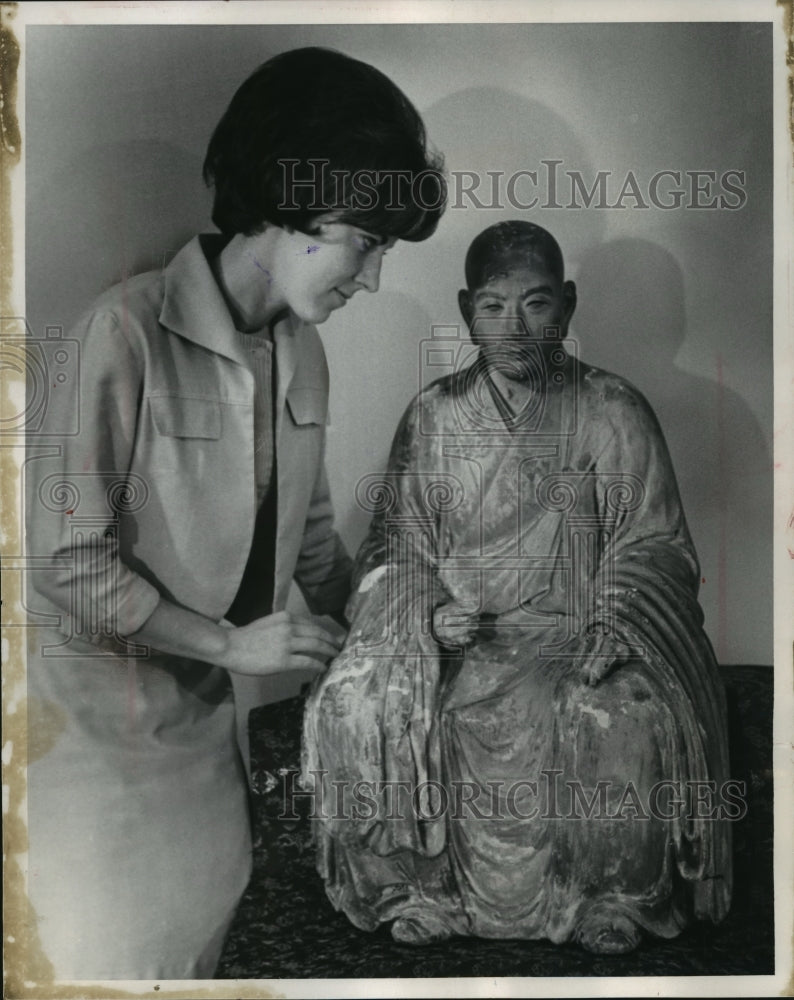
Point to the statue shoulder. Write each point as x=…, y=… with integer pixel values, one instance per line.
x=612, y=391
x=608, y=399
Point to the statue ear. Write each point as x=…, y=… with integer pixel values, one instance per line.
x=466, y=306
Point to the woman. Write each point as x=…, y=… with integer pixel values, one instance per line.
x=174, y=522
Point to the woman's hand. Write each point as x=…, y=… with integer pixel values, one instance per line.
x=280, y=643
x=271, y=645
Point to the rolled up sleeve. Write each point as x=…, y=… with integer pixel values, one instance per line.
x=77, y=490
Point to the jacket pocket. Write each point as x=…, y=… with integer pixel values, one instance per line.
x=308, y=406
x=186, y=417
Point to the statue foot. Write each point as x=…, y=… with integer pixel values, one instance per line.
x=609, y=934
x=423, y=929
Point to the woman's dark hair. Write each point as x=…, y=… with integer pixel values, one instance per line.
x=313, y=131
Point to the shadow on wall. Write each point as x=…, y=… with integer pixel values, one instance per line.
x=120, y=209
x=490, y=137
x=631, y=319
x=374, y=349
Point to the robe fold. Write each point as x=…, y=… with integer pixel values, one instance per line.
x=464, y=772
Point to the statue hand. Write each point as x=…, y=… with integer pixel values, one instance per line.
x=598, y=654
x=459, y=630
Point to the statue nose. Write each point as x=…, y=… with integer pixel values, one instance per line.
x=515, y=327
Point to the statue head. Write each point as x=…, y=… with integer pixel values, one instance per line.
x=517, y=300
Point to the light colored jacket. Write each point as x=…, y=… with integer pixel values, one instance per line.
x=137, y=801
x=155, y=494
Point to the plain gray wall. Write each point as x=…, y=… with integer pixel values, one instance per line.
x=678, y=301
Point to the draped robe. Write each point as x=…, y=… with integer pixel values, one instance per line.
x=444, y=743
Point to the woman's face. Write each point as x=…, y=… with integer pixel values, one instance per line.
x=320, y=272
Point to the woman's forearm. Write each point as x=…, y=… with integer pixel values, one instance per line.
x=279, y=642
x=176, y=630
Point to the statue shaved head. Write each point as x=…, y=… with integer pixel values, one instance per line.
x=500, y=248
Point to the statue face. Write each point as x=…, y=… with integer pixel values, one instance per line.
x=510, y=313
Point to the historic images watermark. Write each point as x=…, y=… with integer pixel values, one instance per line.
x=546, y=796
x=549, y=185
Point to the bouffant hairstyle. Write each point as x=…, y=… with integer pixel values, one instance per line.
x=313, y=131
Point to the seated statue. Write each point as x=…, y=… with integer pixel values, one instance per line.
x=525, y=733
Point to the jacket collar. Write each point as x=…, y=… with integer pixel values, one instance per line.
x=194, y=307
